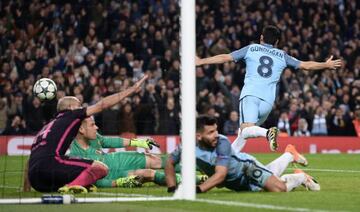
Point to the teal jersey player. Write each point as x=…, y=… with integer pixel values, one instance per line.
x=264, y=66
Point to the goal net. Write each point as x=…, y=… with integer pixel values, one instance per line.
x=98, y=49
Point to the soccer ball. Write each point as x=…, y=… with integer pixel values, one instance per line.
x=45, y=89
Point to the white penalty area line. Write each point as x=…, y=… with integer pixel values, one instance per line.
x=253, y=205
x=329, y=170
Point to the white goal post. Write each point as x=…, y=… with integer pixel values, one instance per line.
x=188, y=99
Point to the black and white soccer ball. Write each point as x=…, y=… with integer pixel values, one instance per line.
x=45, y=89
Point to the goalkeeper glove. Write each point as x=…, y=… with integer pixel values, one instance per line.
x=147, y=143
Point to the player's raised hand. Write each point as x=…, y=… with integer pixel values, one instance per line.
x=333, y=64
x=136, y=87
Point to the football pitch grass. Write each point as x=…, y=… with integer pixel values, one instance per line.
x=338, y=175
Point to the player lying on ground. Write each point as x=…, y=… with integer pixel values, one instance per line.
x=49, y=168
x=124, y=167
x=264, y=65
x=238, y=171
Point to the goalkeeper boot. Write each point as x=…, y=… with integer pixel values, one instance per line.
x=271, y=136
x=310, y=184
x=201, y=178
x=298, y=158
x=75, y=189
x=129, y=182
x=91, y=188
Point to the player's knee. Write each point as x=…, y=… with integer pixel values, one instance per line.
x=100, y=168
x=274, y=184
x=246, y=124
x=281, y=186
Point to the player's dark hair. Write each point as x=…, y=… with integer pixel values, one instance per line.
x=203, y=120
x=271, y=34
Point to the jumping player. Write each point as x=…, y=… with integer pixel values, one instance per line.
x=238, y=171
x=49, y=168
x=264, y=65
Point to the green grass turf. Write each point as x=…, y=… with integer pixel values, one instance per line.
x=340, y=191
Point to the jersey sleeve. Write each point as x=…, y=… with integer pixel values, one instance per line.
x=79, y=113
x=239, y=54
x=176, y=155
x=109, y=142
x=223, y=151
x=292, y=61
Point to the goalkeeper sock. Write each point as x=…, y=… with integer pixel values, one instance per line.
x=293, y=180
x=279, y=165
x=159, y=178
x=253, y=132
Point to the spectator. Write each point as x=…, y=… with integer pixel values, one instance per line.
x=126, y=121
x=356, y=121
x=231, y=126
x=3, y=115
x=340, y=123
x=302, y=129
x=169, y=119
x=319, y=126
x=284, y=124
x=34, y=116
x=17, y=127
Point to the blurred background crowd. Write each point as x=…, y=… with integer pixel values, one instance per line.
x=309, y=103
x=94, y=48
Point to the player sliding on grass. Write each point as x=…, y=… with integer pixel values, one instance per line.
x=238, y=171
x=124, y=167
x=49, y=168
x=264, y=65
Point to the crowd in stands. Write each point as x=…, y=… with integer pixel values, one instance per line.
x=94, y=48
x=309, y=103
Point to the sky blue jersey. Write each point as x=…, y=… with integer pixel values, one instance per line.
x=241, y=166
x=264, y=65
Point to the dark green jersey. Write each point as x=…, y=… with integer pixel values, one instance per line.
x=95, y=151
x=119, y=163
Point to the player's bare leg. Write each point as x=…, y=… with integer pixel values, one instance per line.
x=153, y=161
x=274, y=184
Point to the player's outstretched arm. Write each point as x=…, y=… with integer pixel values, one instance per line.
x=111, y=100
x=214, y=180
x=218, y=59
x=328, y=64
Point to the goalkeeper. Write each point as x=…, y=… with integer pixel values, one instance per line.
x=126, y=169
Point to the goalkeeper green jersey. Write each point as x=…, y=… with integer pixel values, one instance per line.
x=119, y=163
